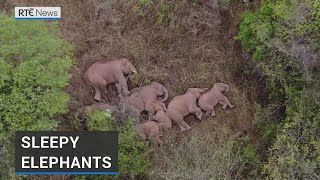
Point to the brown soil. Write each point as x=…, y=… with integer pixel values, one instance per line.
x=196, y=48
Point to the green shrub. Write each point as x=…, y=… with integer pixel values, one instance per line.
x=34, y=64
x=163, y=15
x=143, y=3
x=100, y=121
x=133, y=153
x=284, y=36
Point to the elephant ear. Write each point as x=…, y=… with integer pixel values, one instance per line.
x=124, y=62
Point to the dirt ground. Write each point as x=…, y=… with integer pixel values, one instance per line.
x=180, y=44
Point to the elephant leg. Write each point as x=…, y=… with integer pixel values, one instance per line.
x=118, y=86
x=182, y=129
x=196, y=110
x=103, y=92
x=224, y=105
x=199, y=115
x=123, y=84
x=185, y=125
x=226, y=100
x=97, y=95
x=213, y=113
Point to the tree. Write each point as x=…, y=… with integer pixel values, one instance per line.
x=34, y=64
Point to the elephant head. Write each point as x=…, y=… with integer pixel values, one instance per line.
x=161, y=91
x=159, y=107
x=127, y=67
x=196, y=91
x=223, y=87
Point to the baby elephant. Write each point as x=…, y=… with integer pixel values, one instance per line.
x=162, y=118
x=99, y=106
x=149, y=131
x=210, y=99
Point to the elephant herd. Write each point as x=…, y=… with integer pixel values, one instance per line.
x=151, y=98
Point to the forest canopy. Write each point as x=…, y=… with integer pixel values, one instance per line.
x=34, y=64
x=283, y=38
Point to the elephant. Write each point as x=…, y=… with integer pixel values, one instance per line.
x=145, y=97
x=98, y=106
x=100, y=74
x=211, y=98
x=149, y=130
x=162, y=118
x=182, y=105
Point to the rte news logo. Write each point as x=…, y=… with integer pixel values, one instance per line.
x=37, y=13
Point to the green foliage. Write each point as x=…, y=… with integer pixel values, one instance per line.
x=100, y=121
x=163, y=15
x=253, y=161
x=133, y=153
x=296, y=153
x=34, y=64
x=267, y=126
x=143, y=3
x=250, y=154
x=284, y=37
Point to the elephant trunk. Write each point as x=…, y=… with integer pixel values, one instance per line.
x=166, y=95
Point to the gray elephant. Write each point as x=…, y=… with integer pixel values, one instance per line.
x=162, y=118
x=145, y=97
x=98, y=106
x=100, y=74
x=210, y=99
x=182, y=105
x=149, y=131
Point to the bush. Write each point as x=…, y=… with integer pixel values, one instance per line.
x=284, y=37
x=34, y=64
x=163, y=15
x=133, y=153
x=100, y=121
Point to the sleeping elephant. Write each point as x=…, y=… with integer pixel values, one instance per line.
x=100, y=74
x=182, y=105
x=98, y=106
x=210, y=99
x=149, y=131
x=162, y=118
x=145, y=97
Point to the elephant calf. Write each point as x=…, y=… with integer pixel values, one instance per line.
x=182, y=105
x=149, y=131
x=162, y=118
x=99, y=106
x=210, y=99
x=100, y=74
